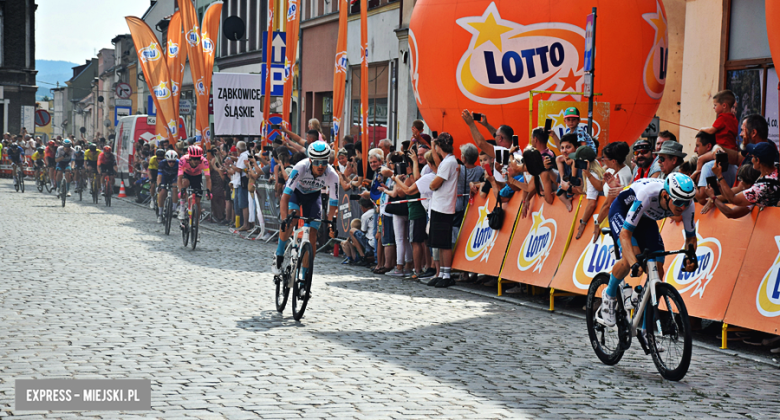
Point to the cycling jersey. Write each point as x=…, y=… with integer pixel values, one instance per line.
x=49, y=152
x=106, y=159
x=15, y=153
x=91, y=156
x=643, y=197
x=63, y=153
x=302, y=179
x=153, y=162
x=168, y=173
x=186, y=168
x=37, y=156
x=78, y=156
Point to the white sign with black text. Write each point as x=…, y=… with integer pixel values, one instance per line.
x=237, y=104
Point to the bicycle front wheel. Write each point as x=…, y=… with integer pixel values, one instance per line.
x=670, y=333
x=282, y=280
x=39, y=182
x=168, y=213
x=16, y=178
x=21, y=180
x=108, y=190
x=605, y=340
x=195, y=224
x=302, y=283
x=63, y=189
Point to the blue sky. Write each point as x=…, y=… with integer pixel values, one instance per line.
x=74, y=30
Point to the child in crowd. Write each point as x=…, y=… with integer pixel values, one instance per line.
x=724, y=128
x=362, y=237
x=349, y=249
x=568, y=175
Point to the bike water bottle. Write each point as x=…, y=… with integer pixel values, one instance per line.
x=635, y=295
x=627, y=294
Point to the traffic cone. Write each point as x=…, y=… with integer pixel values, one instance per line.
x=122, y=190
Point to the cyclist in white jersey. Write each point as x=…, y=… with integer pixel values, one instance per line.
x=302, y=193
x=633, y=220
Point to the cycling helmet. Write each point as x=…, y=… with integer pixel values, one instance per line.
x=680, y=188
x=171, y=155
x=107, y=149
x=92, y=146
x=40, y=149
x=77, y=149
x=160, y=153
x=319, y=150
x=52, y=143
x=67, y=142
x=195, y=151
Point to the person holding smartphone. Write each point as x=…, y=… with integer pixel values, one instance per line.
x=705, y=144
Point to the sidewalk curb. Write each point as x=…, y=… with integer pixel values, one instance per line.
x=517, y=302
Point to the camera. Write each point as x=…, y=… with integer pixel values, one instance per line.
x=477, y=116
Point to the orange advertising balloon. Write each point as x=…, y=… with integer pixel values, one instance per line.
x=486, y=56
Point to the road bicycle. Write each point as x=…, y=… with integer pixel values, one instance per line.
x=167, y=214
x=80, y=182
x=42, y=180
x=668, y=339
x=64, y=184
x=93, y=187
x=108, y=189
x=18, y=177
x=297, y=268
x=191, y=223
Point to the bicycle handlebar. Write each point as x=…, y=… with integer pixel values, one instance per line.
x=641, y=259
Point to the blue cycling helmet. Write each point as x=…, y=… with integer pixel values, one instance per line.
x=66, y=142
x=319, y=150
x=680, y=187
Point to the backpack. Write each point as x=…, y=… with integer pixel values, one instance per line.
x=496, y=217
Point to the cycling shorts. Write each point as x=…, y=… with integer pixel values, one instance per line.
x=39, y=163
x=15, y=159
x=307, y=205
x=63, y=166
x=50, y=162
x=168, y=178
x=78, y=164
x=153, y=175
x=196, y=183
x=91, y=164
x=107, y=170
x=646, y=235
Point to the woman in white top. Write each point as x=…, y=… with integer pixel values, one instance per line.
x=618, y=175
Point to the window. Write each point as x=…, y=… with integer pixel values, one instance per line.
x=750, y=72
x=372, y=4
x=377, y=101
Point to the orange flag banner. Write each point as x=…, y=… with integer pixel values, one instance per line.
x=364, y=81
x=195, y=54
x=293, y=23
x=340, y=71
x=176, y=55
x=155, y=70
x=267, y=94
x=209, y=33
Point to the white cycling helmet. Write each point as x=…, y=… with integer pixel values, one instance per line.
x=319, y=150
x=77, y=149
x=680, y=187
x=171, y=155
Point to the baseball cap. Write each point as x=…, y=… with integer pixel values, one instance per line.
x=571, y=112
x=766, y=152
x=584, y=153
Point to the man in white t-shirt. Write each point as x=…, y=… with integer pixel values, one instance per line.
x=442, y=206
x=242, y=193
x=503, y=136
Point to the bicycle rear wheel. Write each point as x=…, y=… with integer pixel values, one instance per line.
x=605, y=340
x=194, y=223
x=302, y=283
x=668, y=327
x=185, y=231
x=108, y=190
x=282, y=280
x=168, y=213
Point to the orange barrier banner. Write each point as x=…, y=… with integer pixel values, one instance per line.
x=266, y=128
x=176, y=56
x=340, y=71
x=364, y=82
x=195, y=54
x=209, y=33
x=755, y=302
x=155, y=70
x=584, y=259
x=293, y=23
x=481, y=249
x=538, y=243
x=707, y=290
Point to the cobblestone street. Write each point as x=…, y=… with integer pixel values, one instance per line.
x=91, y=292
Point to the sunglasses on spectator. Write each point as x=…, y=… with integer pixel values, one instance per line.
x=319, y=162
x=641, y=152
x=661, y=159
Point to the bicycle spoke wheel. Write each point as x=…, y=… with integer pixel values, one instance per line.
x=669, y=331
x=302, y=283
x=168, y=214
x=605, y=340
x=282, y=281
x=16, y=180
x=81, y=190
x=39, y=183
x=108, y=190
x=185, y=231
x=94, y=189
x=195, y=223
x=21, y=180
x=63, y=189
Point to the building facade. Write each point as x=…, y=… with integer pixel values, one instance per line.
x=17, y=63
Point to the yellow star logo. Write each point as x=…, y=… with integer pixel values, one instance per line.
x=658, y=22
x=483, y=213
x=538, y=219
x=557, y=119
x=489, y=30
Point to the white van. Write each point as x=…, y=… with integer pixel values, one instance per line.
x=128, y=131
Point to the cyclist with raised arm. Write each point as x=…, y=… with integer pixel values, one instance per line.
x=63, y=158
x=633, y=220
x=192, y=167
x=303, y=193
x=16, y=156
x=167, y=173
x=107, y=166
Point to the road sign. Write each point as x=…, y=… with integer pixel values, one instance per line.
x=123, y=90
x=42, y=118
x=150, y=108
x=588, y=87
x=119, y=112
x=28, y=117
x=185, y=107
x=277, y=79
x=653, y=128
x=123, y=102
x=278, y=47
x=275, y=119
x=589, y=26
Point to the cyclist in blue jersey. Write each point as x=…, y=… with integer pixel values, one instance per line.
x=63, y=159
x=16, y=156
x=302, y=193
x=633, y=220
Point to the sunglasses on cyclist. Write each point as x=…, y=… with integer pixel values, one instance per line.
x=680, y=203
x=319, y=162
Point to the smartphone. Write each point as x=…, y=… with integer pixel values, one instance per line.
x=502, y=157
x=712, y=181
x=722, y=159
x=400, y=168
x=268, y=148
x=581, y=164
x=477, y=116
x=435, y=134
x=405, y=145
x=548, y=125
x=354, y=197
x=515, y=140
